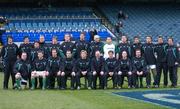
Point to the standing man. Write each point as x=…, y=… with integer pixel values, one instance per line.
x=96, y=45
x=43, y=45
x=67, y=45
x=81, y=44
x=123, y=46
x=172, y=62
x=136, y=45
x=109, y=46
x=149, y=55
x=161, y=62
x=9, y=55
x=54, y=45
x=26, y=47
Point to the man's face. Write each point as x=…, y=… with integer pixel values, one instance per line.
x=160, y=40
x=69, y=54
x=41, y=39
x=136, y=40
x=148, y=39
x=82, y=36
x=26, y=40
x=138, y=53
x=170, y=41
x=10, y=40
x=124, y=54
x=97, y=54
x=67, y=37
x=54, y=53
x=36, y=45
x=124, y=39
x=54, y=41
x=108, y=40
x=110, y=54
x=40, y=55
x=97, y=39
x=83, y=55
x=23, y=56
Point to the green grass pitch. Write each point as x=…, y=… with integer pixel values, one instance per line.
x=68, y=99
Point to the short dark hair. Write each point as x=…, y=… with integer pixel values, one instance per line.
x=160, y=36
x=110, y=52
x=9, y=37
x=25, y=37
x=136, y=37
x=40, y=51
x=171, y=38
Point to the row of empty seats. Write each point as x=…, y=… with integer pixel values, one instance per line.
x=147, y=19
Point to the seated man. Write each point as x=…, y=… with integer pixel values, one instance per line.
x=39, y=70
x=140, y=70
x=98, y=69
x=54, y=68
x=82, y=69
x=124, y=69
x=67, y=71
x=111, y=64
x=22, y=70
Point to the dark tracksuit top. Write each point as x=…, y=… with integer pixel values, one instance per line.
x=148, y=50
x=65, y=46
x=81, y=45
x=34, y=53
x=172, y=55
x=54, y=46
x=44, y=46
x=111, y=64
x=25, y=48
x=94, y=46
x=134, y=47
x=139, y=64
x=9, y=53
x=23, y=67
x=69, y=64
x=124, y=47
x=82, y=65
x=55, y=64
x=161, y=50
x=124, y=65
x=39, y=65
x=98, y=65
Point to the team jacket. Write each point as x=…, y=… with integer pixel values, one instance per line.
x=148, y=50
x=9, y=52
x=139, y=64
x=82, y=65
x=22, y=67
x=172, y=55
x=98, y=65
x=55, y=64
x=124, y=65
x=111, y=64
x=161, y=50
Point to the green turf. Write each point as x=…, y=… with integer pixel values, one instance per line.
x=67, y=99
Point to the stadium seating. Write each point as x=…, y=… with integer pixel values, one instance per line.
x=147, y=19
x=51, y=22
